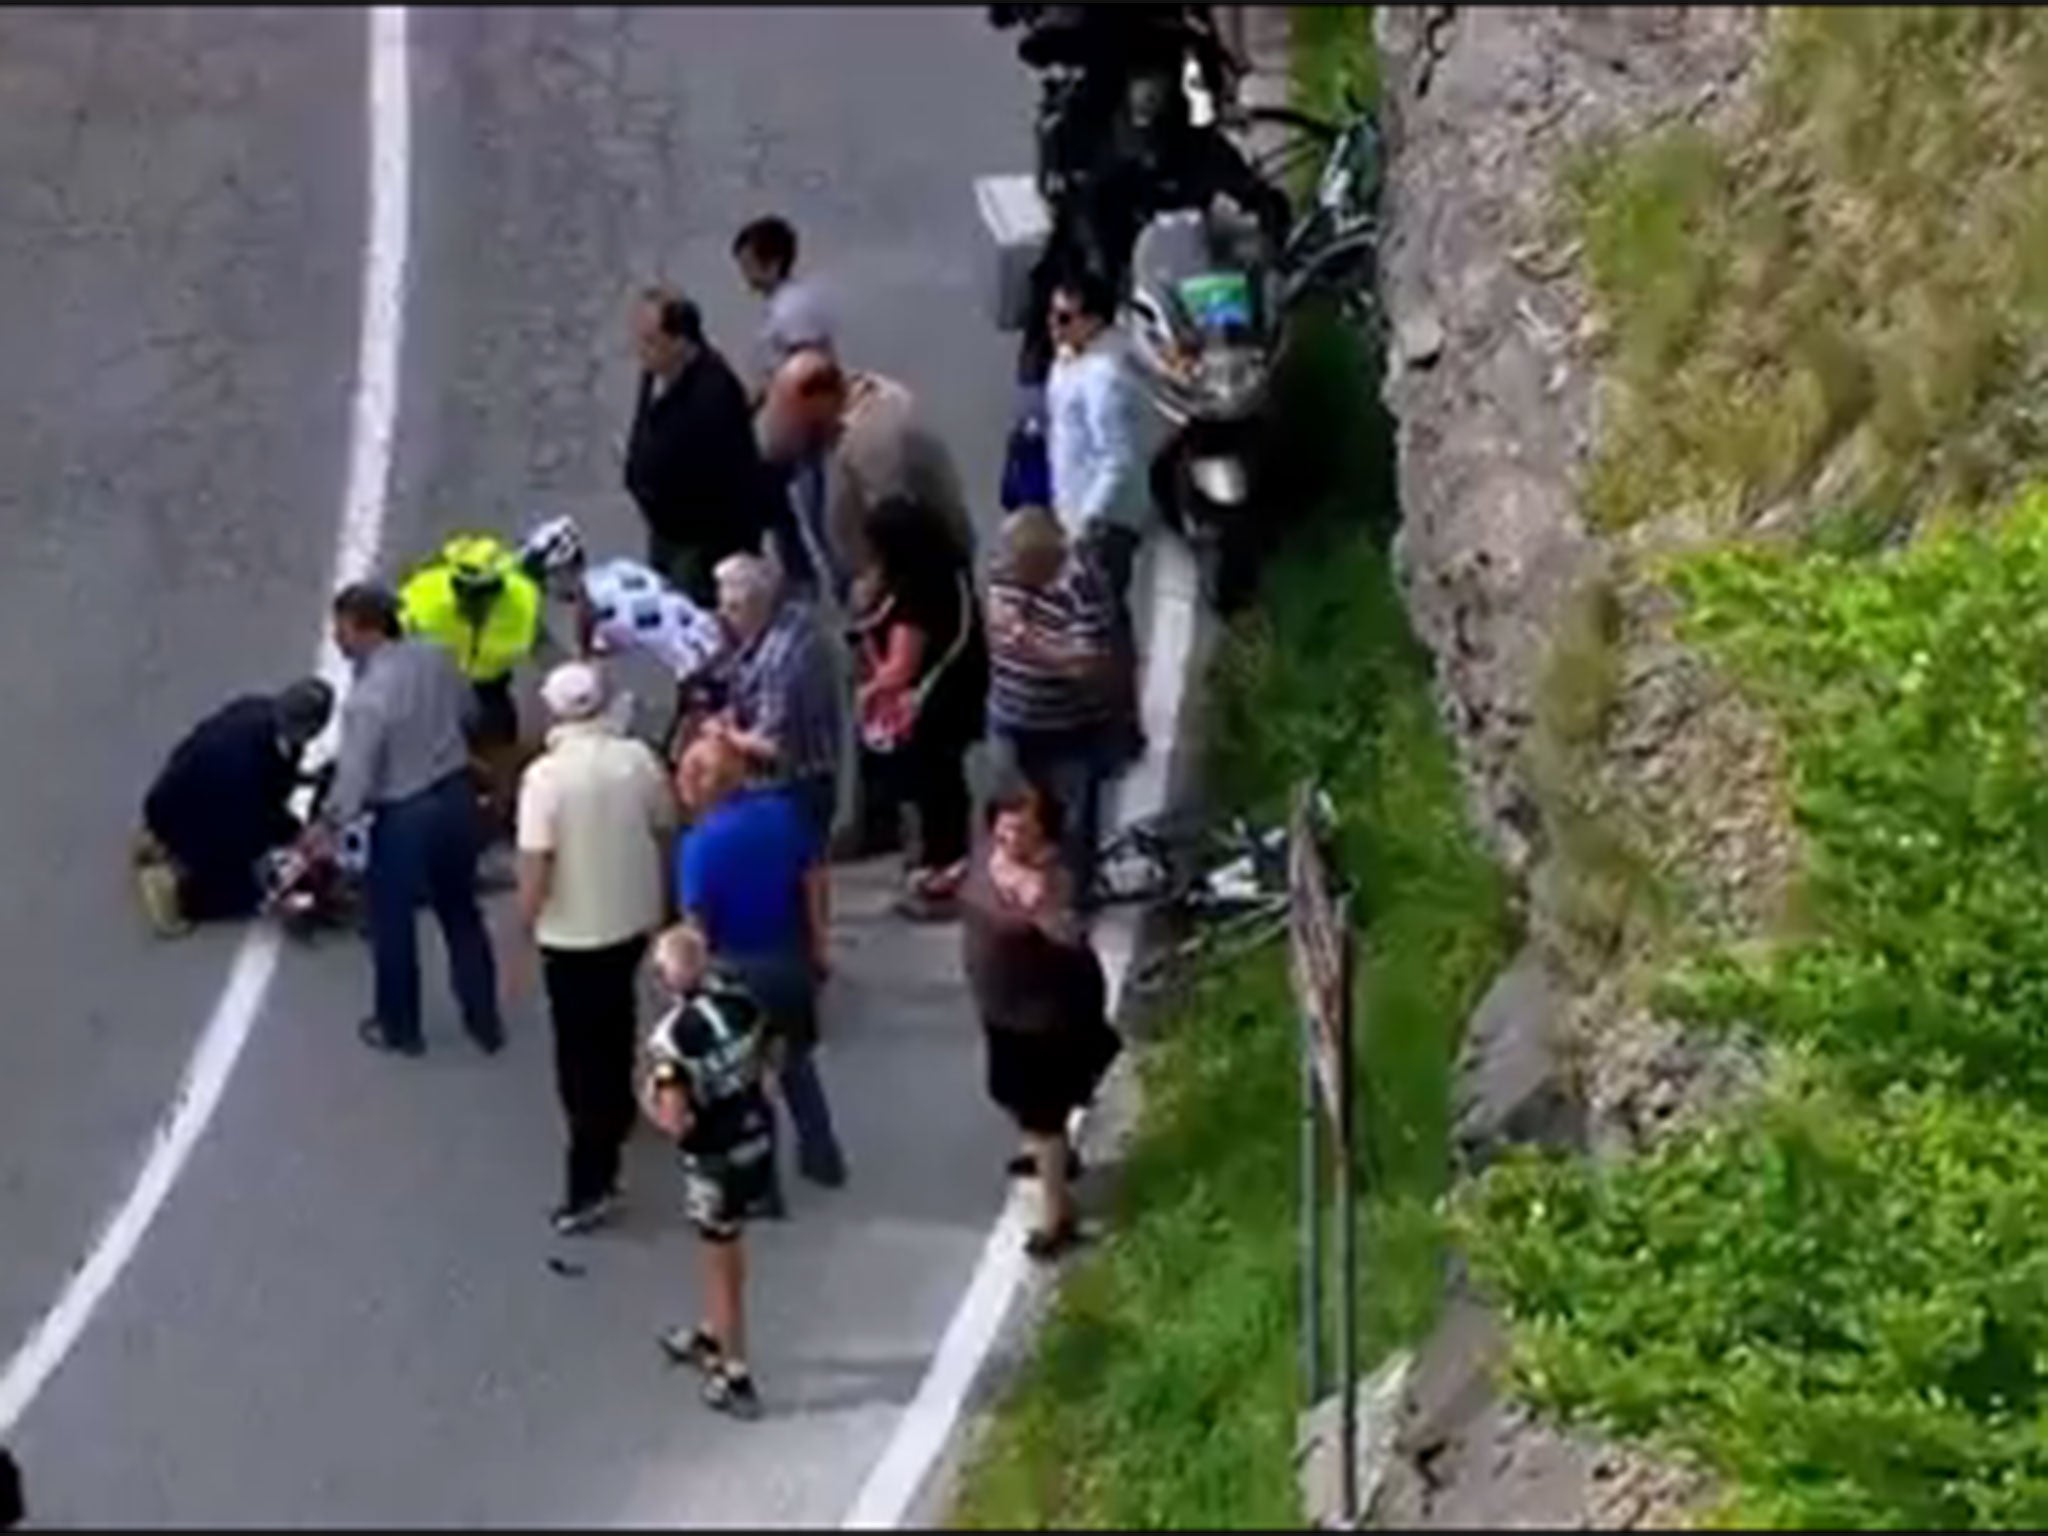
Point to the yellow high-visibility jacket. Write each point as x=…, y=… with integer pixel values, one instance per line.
x=476, y=598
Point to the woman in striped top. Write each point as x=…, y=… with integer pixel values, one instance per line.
x=1053, y=684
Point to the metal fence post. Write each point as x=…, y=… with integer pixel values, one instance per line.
x=1311, y=1221
x=1347, y=1245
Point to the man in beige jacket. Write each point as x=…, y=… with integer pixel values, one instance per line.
x=850, y=440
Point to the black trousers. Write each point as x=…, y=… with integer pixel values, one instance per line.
x=691, y=567
x=929, y=774
x=1114, y=549
x=497, y=715
x=594, y=1007
x=220, y=891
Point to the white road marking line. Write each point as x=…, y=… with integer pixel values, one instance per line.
x=372, y=426
x=928, y=1422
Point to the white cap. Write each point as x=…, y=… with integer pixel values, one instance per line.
x=574, y=691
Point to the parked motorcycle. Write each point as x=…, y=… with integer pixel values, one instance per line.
x=1096, y=163
x=1207, y=316
x=1084, y=56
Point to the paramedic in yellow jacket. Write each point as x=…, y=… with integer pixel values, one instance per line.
x=477, y=598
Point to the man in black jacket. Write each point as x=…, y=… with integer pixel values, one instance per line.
x=692, y=462
x=222, y=801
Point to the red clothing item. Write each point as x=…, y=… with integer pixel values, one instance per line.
x=892, y=654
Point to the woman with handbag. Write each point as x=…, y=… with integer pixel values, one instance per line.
x=922, y=694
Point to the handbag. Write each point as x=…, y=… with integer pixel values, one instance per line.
x=1027, y=470
x=889, y=720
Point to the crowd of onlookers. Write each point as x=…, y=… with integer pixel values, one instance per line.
x=840, y=648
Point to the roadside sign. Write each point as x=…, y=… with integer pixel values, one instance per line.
x=1319, y=955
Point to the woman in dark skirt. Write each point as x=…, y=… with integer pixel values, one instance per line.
x=1040, y=991
x=936, y=707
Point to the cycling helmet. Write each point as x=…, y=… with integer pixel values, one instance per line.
x=555, y=546
x=476, y=573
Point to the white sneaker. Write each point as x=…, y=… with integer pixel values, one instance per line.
x=574, y=1221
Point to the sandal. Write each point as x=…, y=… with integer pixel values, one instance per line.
x=1047, y=1246
x=924, y=907
x=1025, y=1166
x=939, y=884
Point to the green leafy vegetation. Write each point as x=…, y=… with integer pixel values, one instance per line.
x=1856, y=283
x=1910, y=685
x=1327, y=682
x=1836, y=1303
x=1835, y=1298
x=1333, y=61
x=1162, y=1391
x=1839, y=1300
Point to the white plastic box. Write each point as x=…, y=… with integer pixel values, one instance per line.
x=1019, y=222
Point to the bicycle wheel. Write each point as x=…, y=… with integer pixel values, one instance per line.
x=1207, y=950
x=1152, y=860
x=1290, y=163
x=1305, y=124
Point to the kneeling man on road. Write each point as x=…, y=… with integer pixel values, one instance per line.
x=595, y=814
x=222, y=802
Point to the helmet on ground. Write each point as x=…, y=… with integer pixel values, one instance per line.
x=554, y=547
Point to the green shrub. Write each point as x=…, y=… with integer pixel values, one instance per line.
x=1910, y=689
x=1333, y=59
x=1839, y=1301
x=1841, y=1307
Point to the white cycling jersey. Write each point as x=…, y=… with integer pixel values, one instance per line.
x=632, y=608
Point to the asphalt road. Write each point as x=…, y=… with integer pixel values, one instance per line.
x=344, y=1315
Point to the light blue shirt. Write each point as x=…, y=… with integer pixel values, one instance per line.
x=798, y=315
x=1095, y=439
x=401, y=728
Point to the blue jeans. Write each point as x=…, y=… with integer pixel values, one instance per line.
x=424, y=849
x=817, y=1143
x=782, y=983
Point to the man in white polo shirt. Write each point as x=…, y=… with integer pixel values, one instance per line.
x=595, y=815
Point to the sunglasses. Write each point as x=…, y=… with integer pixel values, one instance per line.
x=1063, y=316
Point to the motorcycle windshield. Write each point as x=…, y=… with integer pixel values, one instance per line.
x=1200, y=270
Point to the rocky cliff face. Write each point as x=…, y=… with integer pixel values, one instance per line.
x=1492, y=381
x=1488, y=377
